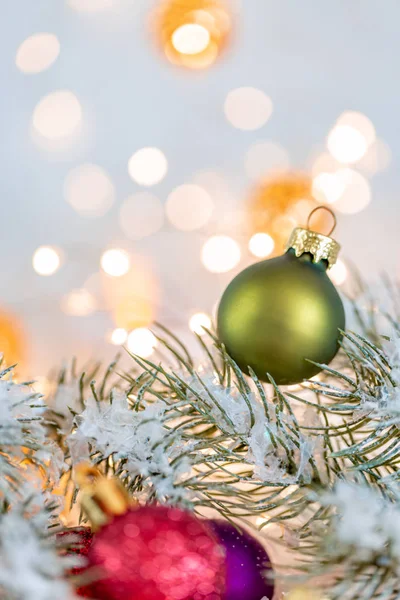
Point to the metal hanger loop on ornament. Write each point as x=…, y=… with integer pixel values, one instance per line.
x=330, y=211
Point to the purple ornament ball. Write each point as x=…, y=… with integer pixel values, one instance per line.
x=247, y=564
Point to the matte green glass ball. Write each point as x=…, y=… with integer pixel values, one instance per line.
x=279, y=312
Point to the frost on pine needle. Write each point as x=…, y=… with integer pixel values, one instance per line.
x=286, y=463
x=384, y=407
x=248, y=446
x=138, y=439
x=358, y=541
x=365, y=525
x=30, y=566
x=68, y=396
x=22, y=432
x=64, y=403
x=229, y=409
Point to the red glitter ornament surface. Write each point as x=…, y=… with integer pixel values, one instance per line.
x=158, y=553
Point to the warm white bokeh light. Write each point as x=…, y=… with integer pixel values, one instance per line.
x=190, y=38
x=46, y=260
x=377, y=159
x=141, y=341
x=115, y=262
x=284, y=224
x=325, y=163
x=338, y=273
x=148, y=166
x=58, y=115
x=247, y=108
x=261, y=245
x=37, y=53
x=140, y=215
x=189, y=207
x=91, y=5
x=220, y=254
x=89, y=190
x=327, y=187
x=361, y=122
x=78, y=303
x=198, y=322
x=264, y=157
x=298, y=212
x=119, y=336
x=346, y=144
x=356, y=193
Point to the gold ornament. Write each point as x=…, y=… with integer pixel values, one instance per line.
x=321, y=247
x=279, y=204
x=101, y=498
x=192, y=33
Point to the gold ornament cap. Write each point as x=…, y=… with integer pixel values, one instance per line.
x=321, y=247
x=101, y=498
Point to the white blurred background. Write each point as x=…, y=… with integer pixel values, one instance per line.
x=119, y=167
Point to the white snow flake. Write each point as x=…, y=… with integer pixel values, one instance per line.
x=366, y=526
x=30, y=568
x=139, y=437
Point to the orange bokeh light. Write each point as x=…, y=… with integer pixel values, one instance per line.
x=280, y=203
x=192, y=33
x=12, y=340
x=132, y=299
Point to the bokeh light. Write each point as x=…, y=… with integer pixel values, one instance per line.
x=327, y=187
x=264, y=157
x=247, y=108
x=356, y=192
x=46, y=260
x=13, y=344
x=78, y=303
x=89, y=190
x=132, y=299
x=361, y=122
x=220, y=254
x=338, y=273
x=148, y=166
x=281, y=202
x=198, y=322
x=37, y=53
x=325, y=163
x=140, y=215
x=346, y=144
x=350, y=138
x=119, y=336
x=57, y=116
x=189, y=207
x=377, y=159
x=192, y=33
x=141, y=341
x=261, y=245
x=190, y=38
x=115, y=262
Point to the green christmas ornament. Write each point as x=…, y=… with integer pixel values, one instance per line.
x=279, y=314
